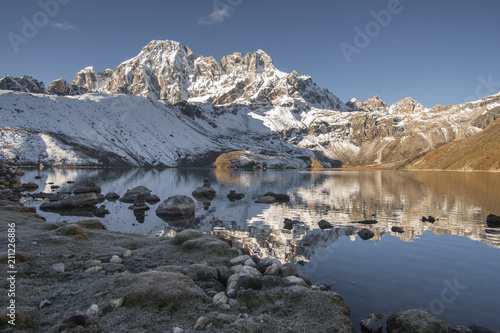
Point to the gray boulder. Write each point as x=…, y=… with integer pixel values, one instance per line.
x=204, y=193
x=177, y=206
x=88, y=187
x=415, y=321
x=365, y=234
x=132, y=194
x=71, y=202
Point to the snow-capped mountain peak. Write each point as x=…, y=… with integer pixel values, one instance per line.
x=168, y=70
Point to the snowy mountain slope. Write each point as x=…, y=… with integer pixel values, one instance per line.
x=126, y=130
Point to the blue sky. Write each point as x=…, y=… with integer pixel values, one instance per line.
x=435, y=51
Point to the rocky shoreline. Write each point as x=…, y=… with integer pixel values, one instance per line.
x=79, y=277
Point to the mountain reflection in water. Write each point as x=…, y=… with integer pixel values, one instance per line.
x=460, y=202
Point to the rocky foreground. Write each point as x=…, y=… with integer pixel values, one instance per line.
x=79, y=277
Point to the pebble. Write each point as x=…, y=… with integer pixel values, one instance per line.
x=111, y=267
x=127, y=254
x=201, y=323
x=240, y=260
x=59, y=268
x=220, y=298
x=92, y=270
x=116, y=302
x=371, y=324
x=115, y=259
x=177, y=330
x=94, y=311
x=93, y=262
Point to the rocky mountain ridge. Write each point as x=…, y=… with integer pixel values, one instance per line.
x=168, y=107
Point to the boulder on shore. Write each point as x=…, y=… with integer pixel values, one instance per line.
x=71, y=202
x=415, y=321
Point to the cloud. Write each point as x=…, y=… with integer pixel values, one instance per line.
x=218, y=15
x=64, y=26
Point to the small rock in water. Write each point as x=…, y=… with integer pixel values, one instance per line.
x=365, y=234
x=397, y=229
x=430, y=219
x=493, y=221
x=201, y=323
x=266, y=200
x=232, y=196
x=112, y=196
x=101, y=211
x=371, y=324
x=324, y=224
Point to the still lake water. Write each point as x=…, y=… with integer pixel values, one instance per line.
x=451, y=268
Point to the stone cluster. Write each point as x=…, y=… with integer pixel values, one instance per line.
x=10, y=182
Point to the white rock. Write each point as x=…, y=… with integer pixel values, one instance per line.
x=201, y=323
x=115, y=259
x=237, y=268
x=127, y=254
x=293, y=281
x=92, y=270
x=220, y=298
x=59, y=268
x=94, y=311
x=240, y=260
x=116, y=302
x=247, y=270
x=92, y=263
x=250, y=263
x=177, y=330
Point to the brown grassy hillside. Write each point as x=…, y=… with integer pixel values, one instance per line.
x=479, y=152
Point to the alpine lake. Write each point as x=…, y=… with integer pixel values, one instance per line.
x=450, y=268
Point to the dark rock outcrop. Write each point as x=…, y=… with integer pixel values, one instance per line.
x=24, y=84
